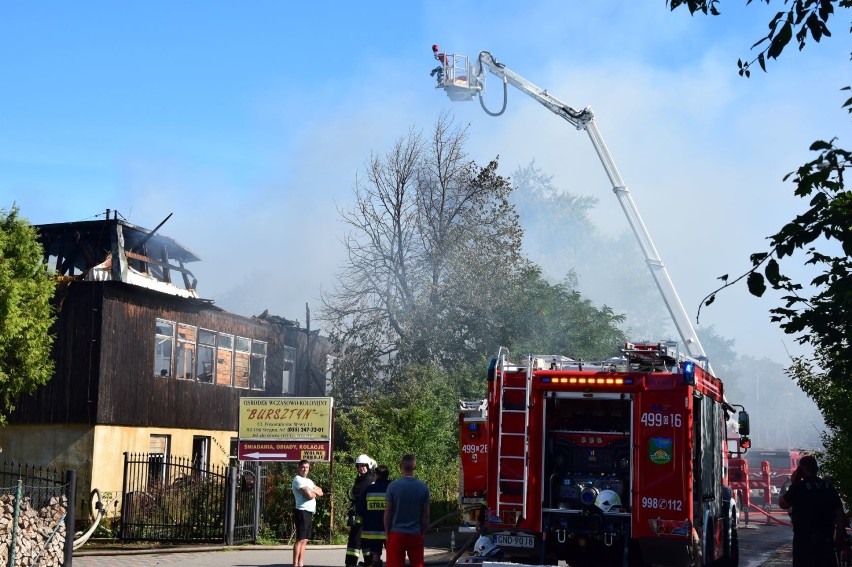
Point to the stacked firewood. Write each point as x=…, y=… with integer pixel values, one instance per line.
x=40, y=537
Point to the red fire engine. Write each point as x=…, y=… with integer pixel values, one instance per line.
x=608, y=463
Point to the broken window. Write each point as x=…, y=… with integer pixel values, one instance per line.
x=258, y=365
x=164, y=342
x=185, y=351
x=288, y=382
x=225, y=359
x=206, y=356
x=158, y=456
x=188, y=352
x=242, y=354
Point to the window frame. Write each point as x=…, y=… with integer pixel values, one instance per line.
x=161, y=478
x=185, y=346
x=254, y=359
x=213, y=352
x=288, y=371
x=159, y=339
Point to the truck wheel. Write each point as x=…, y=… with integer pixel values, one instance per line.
x=735, y=548
x=709, y=546
x=731, y=557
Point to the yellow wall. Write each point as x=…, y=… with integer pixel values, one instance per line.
x=55, y=446
x=97, y=453
x=112, y=442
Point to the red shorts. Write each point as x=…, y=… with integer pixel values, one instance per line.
x=398, y=545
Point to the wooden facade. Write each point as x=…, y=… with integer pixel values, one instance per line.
x=104, y=352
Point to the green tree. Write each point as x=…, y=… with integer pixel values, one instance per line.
x=418, y=418
x=544, y=318
x=26, y=316
x=560, y=234
x=817, y=313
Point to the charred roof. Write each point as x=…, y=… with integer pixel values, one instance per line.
x=114, y=249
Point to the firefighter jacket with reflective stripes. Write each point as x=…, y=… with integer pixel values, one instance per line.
x=371, y=509
x=362, y=481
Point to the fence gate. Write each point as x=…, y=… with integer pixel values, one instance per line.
x=173, y=499
x=247, y=498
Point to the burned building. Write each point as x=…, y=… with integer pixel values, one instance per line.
x=142, y=363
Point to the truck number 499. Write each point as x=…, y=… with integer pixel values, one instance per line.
x=654, y=419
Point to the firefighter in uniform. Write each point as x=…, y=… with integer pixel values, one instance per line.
x=365, y=478
x=817, y=514
x=371, y=509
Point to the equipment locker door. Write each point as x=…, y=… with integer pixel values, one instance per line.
x=662, y=497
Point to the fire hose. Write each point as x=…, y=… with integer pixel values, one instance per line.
x=768, y=515
x=98, y=506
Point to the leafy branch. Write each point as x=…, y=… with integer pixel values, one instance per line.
x=804, y=18
x=755, y=281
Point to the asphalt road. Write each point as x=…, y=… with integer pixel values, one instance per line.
x=254, y=556
x=766, y=542
x=762, y=544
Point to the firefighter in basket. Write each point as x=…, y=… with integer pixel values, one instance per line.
x=365, y=466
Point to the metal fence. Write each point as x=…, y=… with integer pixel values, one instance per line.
x=177, y=500
x=46, y=497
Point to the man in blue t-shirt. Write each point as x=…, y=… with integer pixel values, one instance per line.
x=406, y=516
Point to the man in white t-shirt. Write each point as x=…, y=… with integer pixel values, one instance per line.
x=306, y=493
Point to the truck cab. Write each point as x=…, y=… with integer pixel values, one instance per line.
x=782, y=463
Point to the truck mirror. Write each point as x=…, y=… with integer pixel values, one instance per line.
x=745, y=442
x=742, y=420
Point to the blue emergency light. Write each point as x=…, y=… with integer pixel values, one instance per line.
x=688, y=369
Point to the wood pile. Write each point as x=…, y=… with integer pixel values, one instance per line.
x=38, y=540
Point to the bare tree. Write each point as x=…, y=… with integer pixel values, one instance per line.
x=432, y=246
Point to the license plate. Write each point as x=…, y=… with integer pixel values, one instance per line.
x=508, y=540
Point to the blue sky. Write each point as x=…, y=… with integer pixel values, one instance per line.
x=249, y=122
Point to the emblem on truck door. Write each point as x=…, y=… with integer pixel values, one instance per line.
x=660, y=450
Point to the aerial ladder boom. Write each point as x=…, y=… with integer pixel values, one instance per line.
x=462, y=80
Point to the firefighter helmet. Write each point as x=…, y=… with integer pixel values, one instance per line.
x=608, y=499
x=484, y=547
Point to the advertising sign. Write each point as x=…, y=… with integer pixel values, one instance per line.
x=285, y=429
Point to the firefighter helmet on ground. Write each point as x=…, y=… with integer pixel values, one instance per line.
x=484, y=547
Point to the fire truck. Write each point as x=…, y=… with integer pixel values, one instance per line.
x=780, y=464
x=616, y=462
